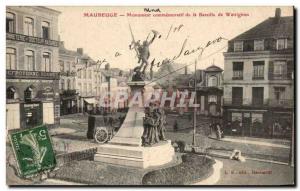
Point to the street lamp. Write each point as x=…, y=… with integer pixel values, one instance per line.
x=195, y=109
x=108, y=87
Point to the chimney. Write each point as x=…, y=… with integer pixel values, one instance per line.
x=80, y=51
x=185, y=70
x=277, y=13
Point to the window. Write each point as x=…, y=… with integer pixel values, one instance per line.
x=74, y=84
x=85, y=88
x=279, y=67
x=237, y=95
x=80, y=88
x=290, y=43
x=238, y=46
x=45, y=30
x=68, y=84
x=62, y=82
x=28, y=26
x=46, y=62
x=279, y=93
x=212, y=81
x=79, y=74
x=90, y=89
x=281, y=44
x=28, y=93
x=68, y=66
x=11, y=63
x=10, y=22
x=258, y=69
x=257, y=96
x=248, y=45
x=84, y=73
x=61, y=64
x=238, y=68
x=29, y=60
x=258, y=45
x=10, y=93
x=212, y=98
x=90, y=74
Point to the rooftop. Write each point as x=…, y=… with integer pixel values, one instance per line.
x=213, y=68
x=273, y=27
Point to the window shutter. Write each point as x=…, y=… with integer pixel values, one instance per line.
x=271, y=69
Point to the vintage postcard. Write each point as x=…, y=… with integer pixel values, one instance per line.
x=150, y=96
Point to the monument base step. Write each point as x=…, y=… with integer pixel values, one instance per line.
x=141, y=157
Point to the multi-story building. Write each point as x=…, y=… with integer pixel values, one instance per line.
x=83, y=82
x=258, y=80
x=32, y=69
x=209, y=91
x=67, y=85
x=88, y=82
x=114, y=81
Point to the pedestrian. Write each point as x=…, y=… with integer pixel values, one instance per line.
x=237, y=155
x=175, y=126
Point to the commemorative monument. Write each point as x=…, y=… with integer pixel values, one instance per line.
x=140, y=141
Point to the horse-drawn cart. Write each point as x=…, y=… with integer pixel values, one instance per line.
x=103, y=127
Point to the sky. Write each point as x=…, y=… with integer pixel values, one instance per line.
x=103, y=37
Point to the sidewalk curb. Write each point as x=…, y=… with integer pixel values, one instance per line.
x=247, y=158
x=267, y=161
x=260, y=143
x=215, y=177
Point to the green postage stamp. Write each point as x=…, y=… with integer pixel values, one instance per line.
x=33, y=150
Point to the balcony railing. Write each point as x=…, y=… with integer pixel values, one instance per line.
x=258, y=77
x=31, y=39
x=24, y=74
x=68, y=73
x=69, y=92
x=281, y=102
x=285, y=103
x=236, y=102
x=284, y=76
x=237, y=75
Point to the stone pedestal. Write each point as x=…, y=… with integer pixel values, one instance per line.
x=126, y=148
x=136, y=156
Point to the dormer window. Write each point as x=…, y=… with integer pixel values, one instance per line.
x=258, y=45
x=238, y=46
x=281, y=44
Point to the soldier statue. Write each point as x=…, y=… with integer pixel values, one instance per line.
x=143, y=53
x=151, y=122
x=154, y=126
x=161, y=124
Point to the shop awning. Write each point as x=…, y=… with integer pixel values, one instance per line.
x=90, y=100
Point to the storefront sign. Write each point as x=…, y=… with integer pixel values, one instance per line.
x=24, y=74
